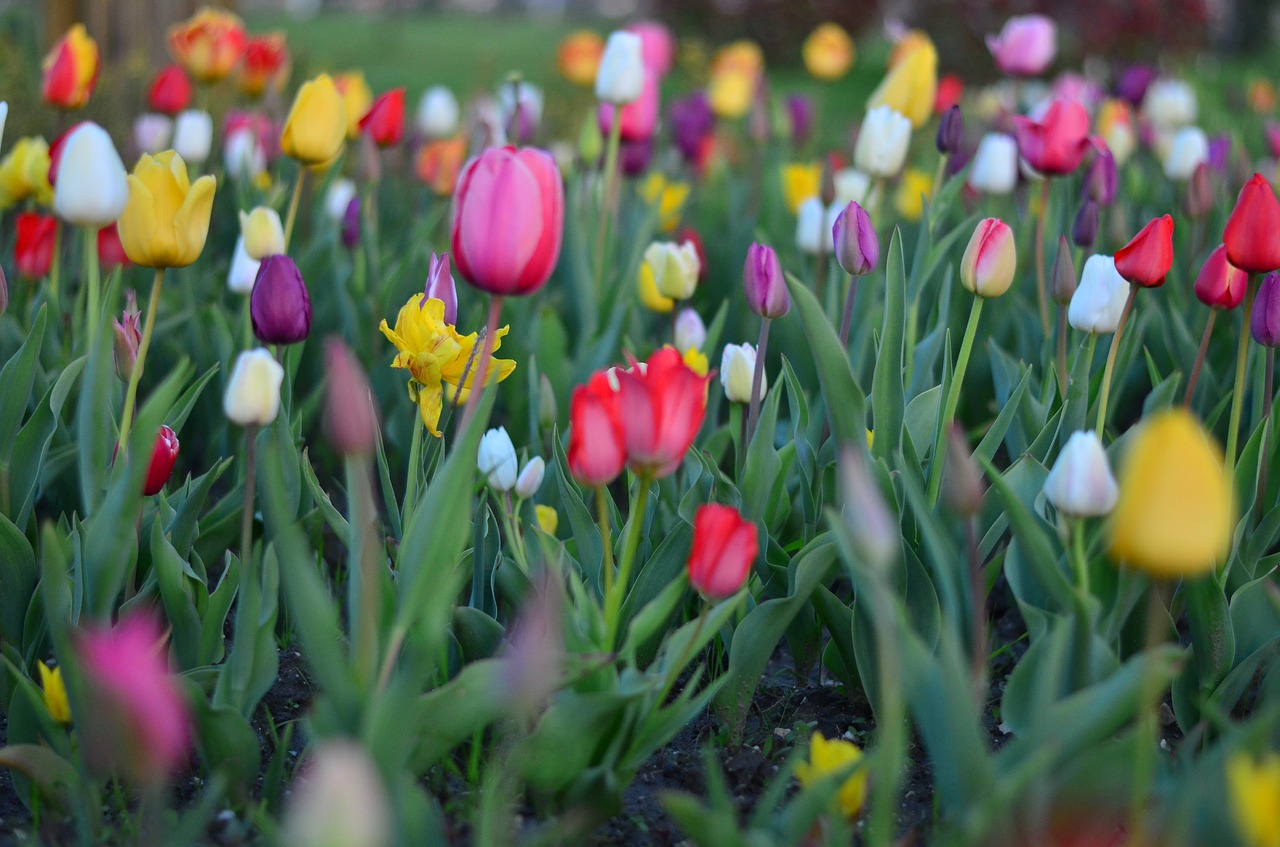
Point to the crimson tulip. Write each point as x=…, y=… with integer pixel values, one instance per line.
x=71, y=70
x=384, y=122
x=111, y=253
x=265, y=63
x=1149, y=255
x=596, y=453
x=1252, y=234
x=1057, y=143
x=950, y=90
x=1220, y=284
x=508, y=220
x=661, y=406
x=33, y=251
x=163, y=455
x=724, y=548
x=171, y=91
x=639, y=118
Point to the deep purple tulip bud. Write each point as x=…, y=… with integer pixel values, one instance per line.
x=1100, y=179
x=1220, y=152
x=950, y=131
x=350, y=417
x=440, y=287
x=857, y=248
x=1265, y=324
x=634, y=156
x=351, y=224
x=1085, y=230
x=279, y=304
x=1199, y=198
x=764, y=283
x=1134, y=82
x=800, y=111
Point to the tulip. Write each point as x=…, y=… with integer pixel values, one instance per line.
x=1175, y=514
x=596, y=453
x=950, y=92
x=882, y=142
x=1099, y=300
x=530, y=478
x=337, y=197
x=724, y=549
x=1062, y=282
x=94, y=187
x=732, y=93
x=1115, y=127
x=266, y=63
x=279, y=305
x=208, y=45
x=163, y=455
x=253, y=390
x=440, y=287
x=1100, y=179
x=243, y=155
x=857, y=248
x=989, y=261
x=995, y=165
x=1080, y=485
x=338, y=800
x=800, y=113
x=1134, y=82
x=828, y=52
x=692, y=122
x=170, y=91
x=814, y=223
x=1220, y=284
x=24, y=173
x=497, y=459
x=674, y=267
x=438, y=164
x=317, y=123
x=166, y=218
x=827, y=758
x=1025, y=46
x=620, y=78
x=438, y=112
x=356, y=97
x=548, y=518
x=1252, y=234
x=521, y=109
x=111, y=253
x=141, y=725
x=638, y=119
x=661, y=408
x=244, y=269
x=1253, y=786
x=657, y=45
x=578, y=57
x=53, y=691
x=800, y=181
x=1201, y=196
x=912, y=82
x=913, y=188
x=1188, y=150
x=1148, y=256
x=737, y=371
x=71, y=70
x=193, y=136
x=1264, y=324
x=1084, y=231
x=350, y=230
x=384, y=122
x=33, y=248
x=351, y=420
x=262, y=232
x=152, y=131
x=508, y=220
x=950, y=131
x=1169, y=104
x=764, y=284
x=690, y=331
x=1056, y=144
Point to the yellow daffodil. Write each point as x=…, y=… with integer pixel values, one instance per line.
x=1176, y=510
x=831, y=757
x=697, y=361
x=911, y=84
x=668, y=195
x=437, y=357
x=317, y=124
x=650, y=297
x=548, y=519
x=914, y=186
x=357, y=97
x=25, y=173
x=828, y=52
x=166, y=219
x=55, y=693
x=800, y=181
x=1254, y=789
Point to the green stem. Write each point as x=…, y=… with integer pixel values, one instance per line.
x=937, y=179
x=362, y=564
x=512, y=527
x=1195, y=369
x=953, y=399
x=246, y=515
x=1062, y=350
x=1042, y=293
x=1105, y=395
x=613, y=601
x=610, y=180
x=148, y=326
x=292, y=217
x=1268, y=397
x=55, y=267
x=757, y=380
x=415, y=468
x=606, y=534
x=1077, y=554
x=673, y=672
x=93, y=284
x=1144, y=767
x=846, y=321
x=1237, y=394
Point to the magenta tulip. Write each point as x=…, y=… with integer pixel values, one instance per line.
x=638, y=119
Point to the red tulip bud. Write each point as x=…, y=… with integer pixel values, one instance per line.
x=1147, y=258
x=724, y=548
x=163, y=455
x=1220, y=284
x=1252, y=235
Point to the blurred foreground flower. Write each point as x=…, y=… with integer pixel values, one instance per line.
x=1253, y=785
x=351, y=420
x=339, y=800
x=828, y=52
x=827, y=758
x=724, y=549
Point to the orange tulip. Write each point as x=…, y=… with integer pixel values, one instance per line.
x=578, y=57
x=438, y=164
x=266, y=63
x=209, y=44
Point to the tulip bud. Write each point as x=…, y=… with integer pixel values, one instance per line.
x=170, y=91
x=1080, y=485
x=244, y=269
x=852, y=186
x=94, y=188
x=827, y=183
x=1062, y=284
x=1252, y=234
x=193, y=136
x=279, y=304
x=1264, y=325
x=1188, y=150
x=163, y=455
x=950, y=131
x=530, y=478
x=1025, y=46
x=962, y=485
x=995, y=165
x=1147, y=258
x=127, y=336
x=338, y=800
x=800, y=111
x=497, y=459
x=350, y=417
x=1220, y=284
x=882, y=142
x=384, y=122
x=319, y=120
x=675, y=268
x=152, y=131
x=596, y=453
x=548, y=409
x=440, y=287
x=1199, y=200
x=262, y=232
x=857, y=247
x=873, y=527
x=351, y=224
x=253, y=391
x=737, y=370
x=989, y=262
x=764, y=283
x=690, y=333
x=1169, y=104
x=548, y=518
x=725, y=546
x=438, y=113
x=1100, y=179
x=1099, y=300
x=1084, y=232
x=620, y=77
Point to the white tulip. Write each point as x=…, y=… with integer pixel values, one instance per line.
x=151, y=132
x=253, y=391
x=242, y=155
x=691, y=332
x=852, y=186
x=93, y=187
x=882, y=142
x=4, y=116
x=1080, y=485
x=338, y=197
x=814, y=225
x=675, y=268
x=995, y=164
x=438, y=112
x=620, y=78
x=1170, y=103
x=193, y=136
x=737, y=370
x=262, y=232
x=497, y=459
x=530, y=479
x=244, y=269
x=1099, y=300
x=1187, y=151
x=338, y=800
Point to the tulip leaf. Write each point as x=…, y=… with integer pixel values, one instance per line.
x=212, y=626
x=763, y=476
x=589, y=550
x=1213, y=642
x=1037, y=552
x=52, y=773
x=176, y=597
x=451, y=714
x=18, y=578
x=32, y=444
x=331, y=515
x=846, y=404
x=888, y=397
x=15, y=384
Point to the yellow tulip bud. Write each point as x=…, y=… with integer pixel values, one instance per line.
x=827, y=758
x=828, y=52
x=357, y=97
x=914, y=186
x=731, y=93
x=317, y=123
x=1176, y=510
x=1254, y=789
x=912, y=82
x=25, y=173
x=166, y=219
x=800, y=181
x=263, y=233
x=548, y=519
x=55, y=693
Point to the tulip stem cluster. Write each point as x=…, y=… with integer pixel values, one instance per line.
x=1105, y=394
x=1242, y=363
x=937, y=459
x=149, y=325
x=613, y=598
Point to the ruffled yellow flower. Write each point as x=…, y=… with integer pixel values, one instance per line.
x=668, y=195
x=548, y=519
x=828, y=52
x=437, y=355
x=800, y=181
x=912, y=82
x=317, y=124
x=55, y=693
x=357, y=97
x=25, y=173
x=914, y=186
x=831, y=757
x=166, y=218
x=1254, y=788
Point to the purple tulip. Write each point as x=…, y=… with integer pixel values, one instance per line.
x=279, y=304
x=1100, y=179
x=1085, y=230
x=1220, y=152
x=800, y=111
x=634, y=156
x=440, y=287
x=1134, y=82
x=1265, y=324
x=857, y=247
x=351, y=224
x=691, y=122
x=763, y=281
x=950, y=131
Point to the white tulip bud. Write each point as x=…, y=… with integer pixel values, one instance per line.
x=882, y=142
x=995, y=164
x=151, y=132
x=530, y=479
x=193, y=136
x=242, y=155
x=1099, y=300
x=253, y=391
x=620, y=78
x=338, y=800
x=244, y=269
x=497, y=459
x=737, y=370
x=93, y=187
x=1188, y=149
x=1080, y=484
x=691, y=332
x=337, y=198
x=1170, y=103
x=438, y=112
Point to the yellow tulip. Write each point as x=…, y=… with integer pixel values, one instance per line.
x=1176, y=511
x=650, y=297
x=668, y=195
x=55, y=693
x=830, y=757
x=697, y=361
x=741, y=56
x=1254, y=789
x=548, y=518
x=912, y=82
x=166, y=219
x=317, y=123
x=800, y=181
x=357, y=97
x=914, y=186
x=828, y=52
x=731, y=93
x=25, y=173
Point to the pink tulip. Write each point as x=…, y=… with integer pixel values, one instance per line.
x=140, y=725
x=657, y=45
x=724, y=549
x=508, y=220
x=639, y=118
x=1057, y=143
x=1025, y=46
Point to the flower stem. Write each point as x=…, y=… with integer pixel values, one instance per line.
x=1268, y=387
x=131, y=394
x=606, y=535
x=978, y=622
x=292, y=215
x=93, y=284
x=1062, y=350
x=1042, y=292
x=613, y=600
x=1195, y=369
x=362, y=568
x=846, y=322
x=757, y=378
x=415, y=468
x=953, y=399
x=1077, y=554
x=55, y=266
x=1237, y=394
x=610, y=188
x=250, y=485
x=938, y=176
x=482, y=370
x=673, y=671
x=1111, y=361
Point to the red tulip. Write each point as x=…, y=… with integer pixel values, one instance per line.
x=950, y=90
x=596, y=454
x=71, y=70
x=1148, y=256
x=508, y=220
x=171, y=91
x=1252, y=235
x=662, y=404
x=640, y=118
x=111, y=253
x=33, y=252
x=163, y=455
x=384, y=122
x=1058, y=142
x=265, y=62
x=209, y=44
x=724, y=548
x=1220, y=284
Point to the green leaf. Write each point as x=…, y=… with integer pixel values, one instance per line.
x=331, y=515
x=18, y=577
x=888, y=396
x=846, y=404
x=176, y=597
x=15, y=384
x=448, y=716
x=32, y=444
